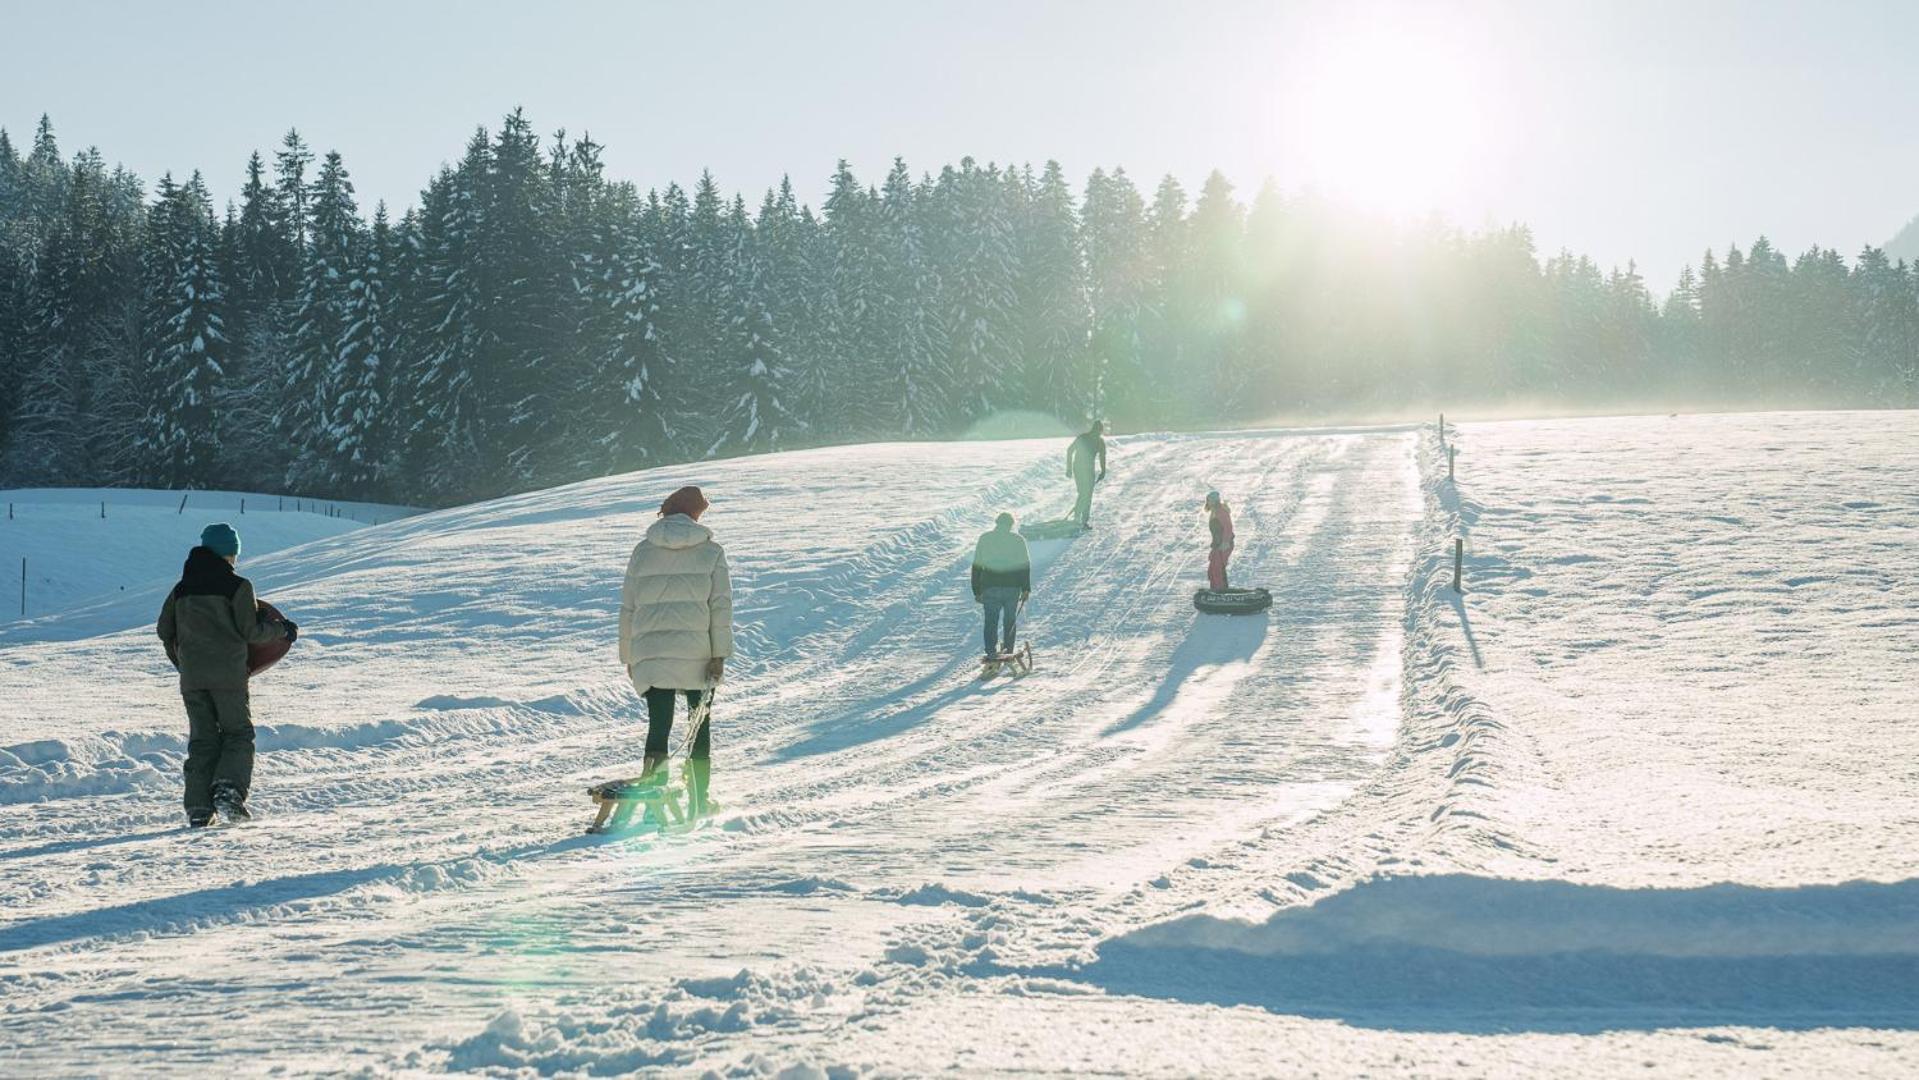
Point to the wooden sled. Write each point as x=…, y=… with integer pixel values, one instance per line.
x=1020, y=660
x=659, y=803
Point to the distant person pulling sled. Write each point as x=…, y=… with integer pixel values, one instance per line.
x=207, y=624
x=1085, y=452
x=1002, y=581
x=1219, y=521
x=676, y=631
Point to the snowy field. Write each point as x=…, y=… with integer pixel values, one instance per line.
x=1644, y=801
x=79, y=551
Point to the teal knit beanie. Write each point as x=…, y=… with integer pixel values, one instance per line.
x=221, y=539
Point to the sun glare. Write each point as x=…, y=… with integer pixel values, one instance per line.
x=1389, y=118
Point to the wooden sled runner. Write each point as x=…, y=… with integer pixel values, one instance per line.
x=1232, y=601
x=660, y=804
x=1020, y=660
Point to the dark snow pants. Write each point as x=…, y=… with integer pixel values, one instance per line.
x=659, y=722
x=1002, y=611
x=219, y=745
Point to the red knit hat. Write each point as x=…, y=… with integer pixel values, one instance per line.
x=688, y=500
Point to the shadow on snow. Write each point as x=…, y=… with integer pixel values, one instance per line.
x=1480, y=955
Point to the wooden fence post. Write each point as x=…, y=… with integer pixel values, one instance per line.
x=183, y=504
x=103, y=509
x=243, y=506
x=1459, y=562
x=1452, y=453
x=23, y=586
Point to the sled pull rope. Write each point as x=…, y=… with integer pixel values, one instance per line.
x=697, y=719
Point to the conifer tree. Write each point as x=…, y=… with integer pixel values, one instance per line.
x=755, y=414
x=189, y=354
x=913, y=392
x=1113, y=235
x=317, y=371
x=1051, y=295
x=359, y=421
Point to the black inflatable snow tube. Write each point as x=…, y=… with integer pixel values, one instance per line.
x=1233, y=601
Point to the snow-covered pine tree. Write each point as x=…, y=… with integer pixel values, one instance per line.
x=439, y=400
x=699, y=318
x=1214, y=288
x=189, y=343
x=72, y=393
x=969, y=237
x=1051, y=294
x=290, y=212
x=1167, y=359
x=1113, y=235
x=1887, y=301
x=359, y=422
x=751, y=369
x=521, y=325
x=1677, y=344
x=787, y=240
x=315, y=370
x=618, y=426
x=912, y=379
x=848, y=350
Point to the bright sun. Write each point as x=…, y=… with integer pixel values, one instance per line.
x=1390, y=118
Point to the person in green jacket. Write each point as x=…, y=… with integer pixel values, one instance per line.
x=1002, y=580
x=206, y=624
x=1086, y=451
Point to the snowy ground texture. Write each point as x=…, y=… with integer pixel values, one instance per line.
x=1645, y=800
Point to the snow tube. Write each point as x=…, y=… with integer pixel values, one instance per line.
x=1232, y=601
x=262, y=657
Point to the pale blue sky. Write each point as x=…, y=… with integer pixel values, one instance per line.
x=1624, y=130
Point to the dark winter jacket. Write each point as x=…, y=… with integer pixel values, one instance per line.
x=1000, y=561
x=208, y=621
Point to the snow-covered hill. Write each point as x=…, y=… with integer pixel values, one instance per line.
x=95, y=544
x=1641, y=801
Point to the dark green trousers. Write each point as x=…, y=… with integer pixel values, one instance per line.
x=219, y=745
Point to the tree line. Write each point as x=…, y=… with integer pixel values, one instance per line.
x=531, y=321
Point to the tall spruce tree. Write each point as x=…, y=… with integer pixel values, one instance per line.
x=189, y=342
x=359, y=423
x=317, y=371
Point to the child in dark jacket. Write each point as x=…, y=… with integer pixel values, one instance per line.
x=207, y=623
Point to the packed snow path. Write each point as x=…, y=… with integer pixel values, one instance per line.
x=911, y=869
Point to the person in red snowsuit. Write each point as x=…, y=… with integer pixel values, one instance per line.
x=1220, y=521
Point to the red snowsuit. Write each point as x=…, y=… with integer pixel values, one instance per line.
x=1220, y=521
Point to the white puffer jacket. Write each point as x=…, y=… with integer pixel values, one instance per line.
x=676, y=610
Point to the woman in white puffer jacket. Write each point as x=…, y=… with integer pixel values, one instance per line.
x=676, y=626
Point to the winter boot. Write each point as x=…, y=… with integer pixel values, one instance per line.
x=699, y=776
x=199, y=819
x=230, y=802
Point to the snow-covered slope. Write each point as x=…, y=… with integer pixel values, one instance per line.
x=1594, y=816
x=96, y=544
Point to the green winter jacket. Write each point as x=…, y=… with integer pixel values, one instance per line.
x=208, y=621
x=1001, y=561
